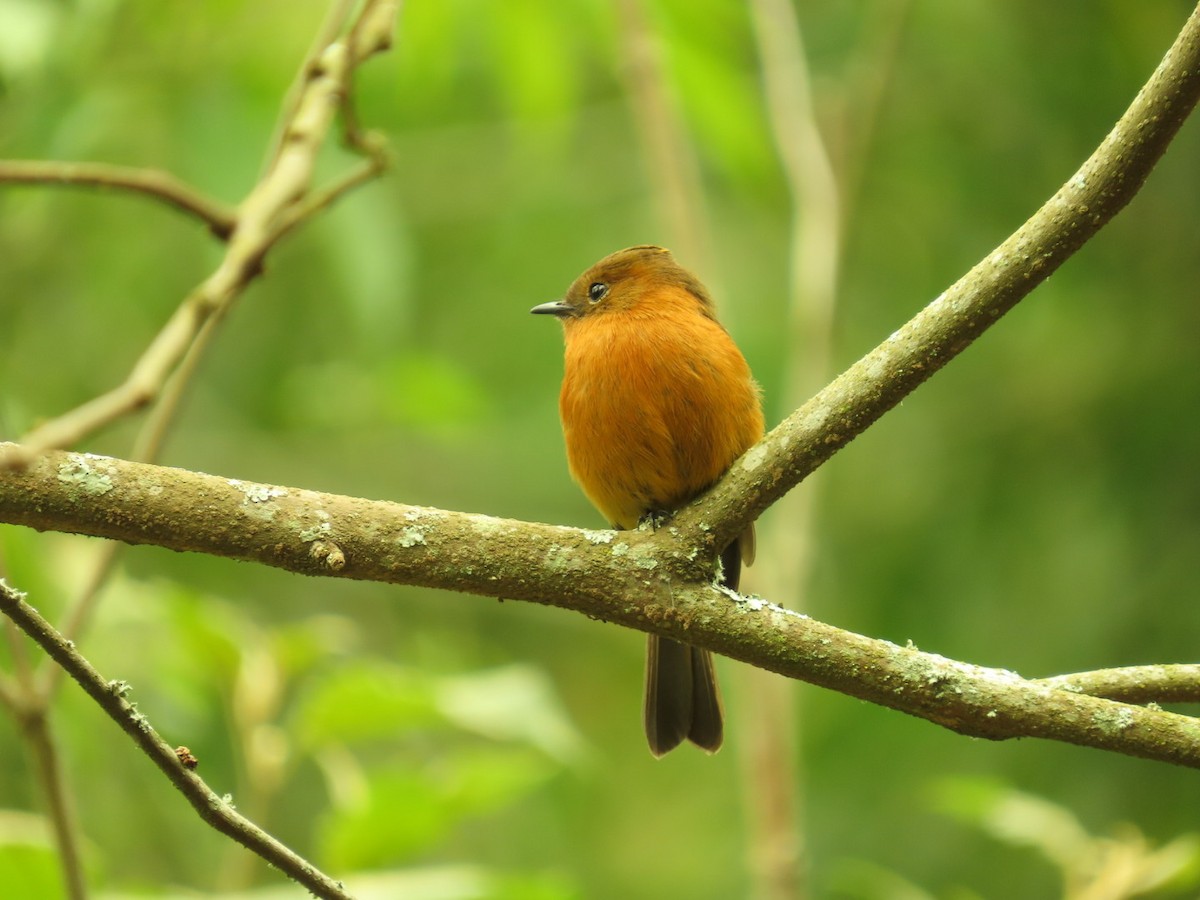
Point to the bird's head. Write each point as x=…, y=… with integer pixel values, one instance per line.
x=643, y=279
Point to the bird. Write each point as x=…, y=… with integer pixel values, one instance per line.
x=657, y=402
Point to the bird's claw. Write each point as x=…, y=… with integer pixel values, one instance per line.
x=653, y=520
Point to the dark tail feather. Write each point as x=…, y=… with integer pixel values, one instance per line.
x=682, y=698
x=668, y=710
x=708, y=720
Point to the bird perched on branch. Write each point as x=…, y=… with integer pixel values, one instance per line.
x=657, y=402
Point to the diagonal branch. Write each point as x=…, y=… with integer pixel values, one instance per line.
x=111, y=697
x=651, y=582
x=1101, y=188
x=332, y=26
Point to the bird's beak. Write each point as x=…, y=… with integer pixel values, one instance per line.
x=559, y=308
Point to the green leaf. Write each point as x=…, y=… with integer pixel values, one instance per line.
x=515, y=703
x=364, y=701
x=29, y=865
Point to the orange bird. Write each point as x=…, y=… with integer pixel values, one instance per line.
x=657, y=402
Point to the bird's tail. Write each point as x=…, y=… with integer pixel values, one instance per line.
x=682, y=697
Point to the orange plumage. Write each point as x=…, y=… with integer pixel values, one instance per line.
x=657, y=402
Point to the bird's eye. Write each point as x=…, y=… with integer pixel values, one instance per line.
x=597, y=292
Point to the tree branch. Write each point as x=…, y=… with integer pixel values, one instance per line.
x=1101, y=188
x=35, y=727
x=277, y=203
x=217, y=811
x=1135, y=684
x=158, y=185
x=654, y=582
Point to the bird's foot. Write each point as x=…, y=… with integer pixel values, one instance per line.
x=653, y=520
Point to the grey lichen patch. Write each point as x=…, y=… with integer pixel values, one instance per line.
x=258, y=498
x=1070, y=688
x=754, y=458
x=316, y=532
x=1114, y=722
x=754, y=603
x=79, y=472
x=598, y=537
x=563, y=559
x=139, y=719
x=411, y=537
x=484, y=525
x=262, y=493
x=422, y=514
x=621, y=549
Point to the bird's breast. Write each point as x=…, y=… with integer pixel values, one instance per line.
x=653, y=411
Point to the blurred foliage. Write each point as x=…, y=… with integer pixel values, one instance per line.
x=1036, y=506
x=1092, y=867
x=28, y=864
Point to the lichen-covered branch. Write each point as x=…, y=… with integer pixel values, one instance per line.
x=325, y=534
x=650, y=581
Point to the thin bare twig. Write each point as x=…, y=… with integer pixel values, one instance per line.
x=158, y=185
x=35, y=727
x=877, y=54
x=372, y=30
x=10, y=694
x=217, y=811
x=23, y=666
x=332, y=26
x=371, y=33
x=331, y=194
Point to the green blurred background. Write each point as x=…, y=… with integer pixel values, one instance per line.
x=1034, y=507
